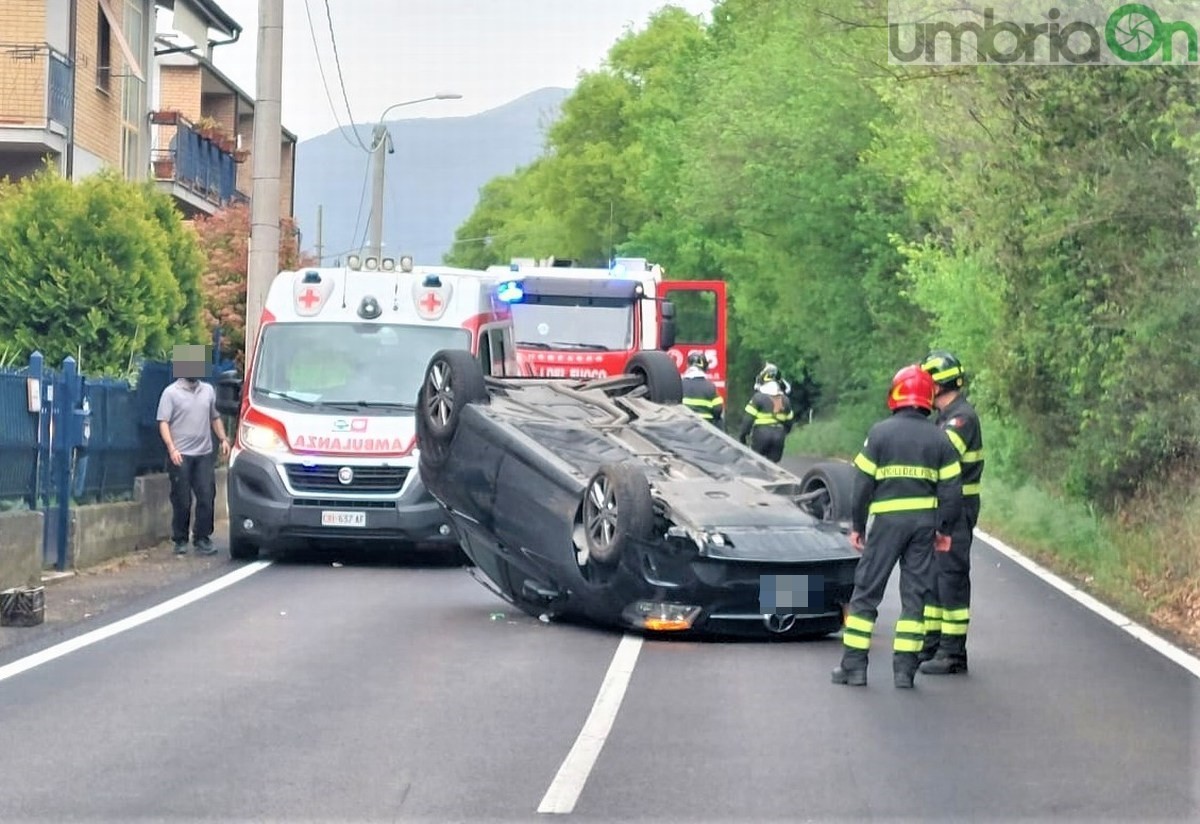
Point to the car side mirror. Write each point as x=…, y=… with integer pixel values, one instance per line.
x=667, y=335
x=229, y=393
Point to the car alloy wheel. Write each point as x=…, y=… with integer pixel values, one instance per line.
x=600, y=512
x=439, y=395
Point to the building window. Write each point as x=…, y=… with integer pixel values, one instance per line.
x=133, y=94
x=103, y=54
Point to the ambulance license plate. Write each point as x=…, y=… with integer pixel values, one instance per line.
x=335, y=518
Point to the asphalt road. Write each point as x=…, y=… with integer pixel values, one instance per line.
x=395, y=693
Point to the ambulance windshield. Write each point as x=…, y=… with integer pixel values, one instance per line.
x=562, y=322
x=340, y=365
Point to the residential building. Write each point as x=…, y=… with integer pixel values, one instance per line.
x=203, y=122
x=129, y=84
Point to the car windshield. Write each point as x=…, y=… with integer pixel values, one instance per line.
x=554, y=322
x=347, y=365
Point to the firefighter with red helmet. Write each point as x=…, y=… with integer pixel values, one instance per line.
x=948, y=612
x=768, y=417
x=909, y=484
x=700, y=393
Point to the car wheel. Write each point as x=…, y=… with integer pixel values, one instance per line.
x=617, y=510
x=453, y=379
x=836, y=483
x=659, y=374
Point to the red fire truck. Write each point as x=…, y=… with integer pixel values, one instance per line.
x=574, y=322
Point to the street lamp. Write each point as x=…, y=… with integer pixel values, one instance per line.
x=381, y=138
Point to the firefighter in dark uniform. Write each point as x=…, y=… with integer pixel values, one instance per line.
x=909, y=483
x=949, y=611
x=768, y=416
x=700, y=393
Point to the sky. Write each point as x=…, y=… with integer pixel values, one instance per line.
x=391, y=51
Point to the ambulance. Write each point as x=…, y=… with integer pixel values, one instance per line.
x=581, y=323
x=325, y=450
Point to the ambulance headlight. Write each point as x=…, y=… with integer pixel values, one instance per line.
x=406, y=263
x=261, y=438
x=354, y=262
x=510, y=292
x=388, y=265
x=371, y=263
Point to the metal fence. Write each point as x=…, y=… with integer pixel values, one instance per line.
x=123, y=440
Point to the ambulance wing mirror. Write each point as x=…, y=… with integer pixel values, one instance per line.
x=229, y=393
x=667, y=333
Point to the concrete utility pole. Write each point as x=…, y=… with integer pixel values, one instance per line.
x=320, y=243
x=381, y=143
x=263, y=263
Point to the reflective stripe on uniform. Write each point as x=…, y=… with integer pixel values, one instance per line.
x=704, y=407
x=955, y=621
x=865, y=464
x=768, y=418
x=903, y=505
x=972, y=489
x=933, y=618
x=856, y=634
x=949, y=471
x=910, y=636
x=921, y=473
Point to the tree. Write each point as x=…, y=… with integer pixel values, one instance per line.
x=101, y=270
x=225, y=239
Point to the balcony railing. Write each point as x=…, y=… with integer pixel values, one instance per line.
x=197, y=163
x=37, y=87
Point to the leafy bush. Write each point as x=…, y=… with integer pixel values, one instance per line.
x=102, y=270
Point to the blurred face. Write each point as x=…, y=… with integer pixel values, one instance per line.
x=190, y=362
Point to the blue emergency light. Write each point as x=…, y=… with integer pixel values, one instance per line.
x=510, y=292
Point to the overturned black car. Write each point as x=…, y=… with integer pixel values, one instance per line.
x=609, y=500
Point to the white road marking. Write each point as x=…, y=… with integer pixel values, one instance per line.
x=573, y=774
x=1184, y=659
x=88, y=638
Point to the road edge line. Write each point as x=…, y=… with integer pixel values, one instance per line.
x=117, y=627
x=1156, y=642
x=573, y=774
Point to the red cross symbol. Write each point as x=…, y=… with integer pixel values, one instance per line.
x=430, y=303
x=309, y=297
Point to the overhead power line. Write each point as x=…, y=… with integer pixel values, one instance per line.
x=342, y=130
x=337, y=61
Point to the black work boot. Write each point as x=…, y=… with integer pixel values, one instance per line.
x=852, y=671
x=946, y=663
x=904, y=669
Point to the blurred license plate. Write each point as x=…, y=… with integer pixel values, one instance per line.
x=791, y=594
x=333, y=518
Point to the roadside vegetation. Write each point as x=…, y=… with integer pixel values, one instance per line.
x=1038, y=221
x=109, y=272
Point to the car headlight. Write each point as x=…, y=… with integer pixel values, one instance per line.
x=261, y=438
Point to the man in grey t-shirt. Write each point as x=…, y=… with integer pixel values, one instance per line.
x=187, y=417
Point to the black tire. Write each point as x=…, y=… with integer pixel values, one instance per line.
x=663, y=382
x=242, y=549
x=453, y=379
x=836, y=480
x=617, y=510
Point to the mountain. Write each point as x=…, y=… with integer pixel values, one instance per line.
x=432, y=179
